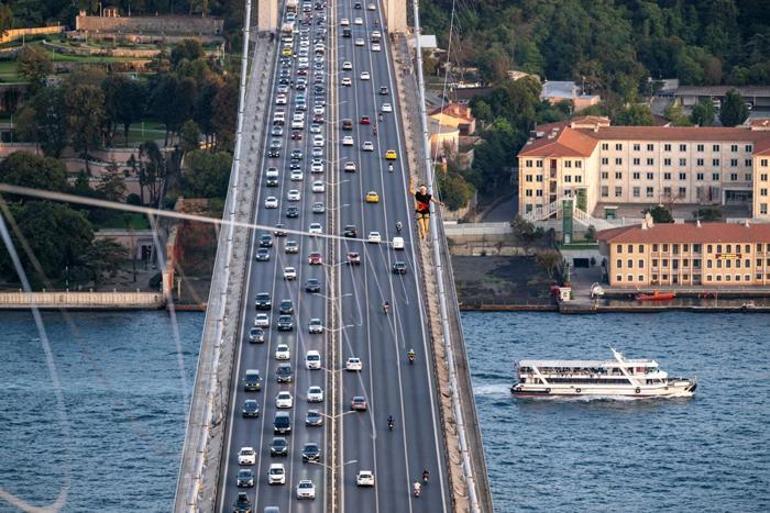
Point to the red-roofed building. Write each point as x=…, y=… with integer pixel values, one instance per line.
x=687, y=255
x=594, y=162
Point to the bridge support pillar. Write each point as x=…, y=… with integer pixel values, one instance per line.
x=395, y=15
x=267, y=15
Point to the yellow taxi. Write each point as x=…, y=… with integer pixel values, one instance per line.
x=286, y=52
x=391, y=155
x=372, y=197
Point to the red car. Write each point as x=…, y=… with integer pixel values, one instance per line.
x=315, y=259
x=365, y=120
x=358, y=403
x=296, y=136
x=354, y=258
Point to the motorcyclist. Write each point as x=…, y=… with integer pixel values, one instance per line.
x=398, y=226
x=391, y=422
x=386, y=306
x=374, y=130
x=411, y=355
x=380, y=116
x=390, y=167
x=425, y=476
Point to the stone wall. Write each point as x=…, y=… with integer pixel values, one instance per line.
x=15, y=34
x=172, y=25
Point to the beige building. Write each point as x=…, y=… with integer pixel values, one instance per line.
x=691, y=254
x=594, y=162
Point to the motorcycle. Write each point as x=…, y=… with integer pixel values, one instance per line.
x=411, y=356
x=416, y=489
x=390, y=424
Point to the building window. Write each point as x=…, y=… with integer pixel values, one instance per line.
x=539, y=193
x=539, y=163
x=650, y=176
x=733, y=148
x=665, y=247
x=650, y=147
x=667, y=176
x=715, y=147
x=665, y=262
x=685, y=247
x=719, y=248
x=618, y=175
x=715, y=177
x=529, y=163
x=696, y=263
x=763, y=192
x=650, y=192
x=749, y=148
x=719, y=277
x=667, y=192
x=637, y=147
x=618, y=147
x=605, y=146
x=747, y=277
x=605, y=191
x=640, y=264
x=699, y=147
x=654, y=263
x=715, y=162
x=539, y=178
x=763, y=208
x=733, y=162
x=696, y=248
x=636, y=175
x=641, y=248
x=650, y=162
x=619, y=264
x=636, y=192
x=709, y=248
x=637, y=161
x=618, y=278
x=683, y=176
x=630, y=263
x=685, y=262
x=682, y=192
x=682, y=147
x=708, y=264
x=619, y=248
x=605, y=161
x=578, y=179
x=568, y=178
x=619, y=161
x=734, y=177
x=683, y=162
x=655, y=247
x=747, y=176
x=747, y=162
x=528, y=193
x=579, y=164
x=630, y=248
x=699, y=176
x=630, y=277
x=746, y=248
x=666, y=147
x=618, y=192
x=666, y=162
x=567, y=163
x=605, y=175
x=699, y=162
x=763, y=162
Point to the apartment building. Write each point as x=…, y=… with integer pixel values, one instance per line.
x=691, y=254
x=594, y=162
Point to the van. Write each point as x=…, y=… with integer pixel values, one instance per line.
x=252, y=381
x=398, y=243
x=282, y=423
x=272, y=509
x=347, y=124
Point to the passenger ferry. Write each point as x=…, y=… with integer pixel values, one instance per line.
x=617, y=377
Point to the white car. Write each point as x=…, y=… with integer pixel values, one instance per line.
x=247, y=456
x=319, y=110
x=315, y=394
x=262, y=321
x=319, y=186
x=271, y=202
x=376, y=47
x=296, y=176
x=293, y=195
x=367, y=146
x=354, y=364
x=317, y=167
x=365, y=75
x=315, y=326
x=282, y=352
x=347, y=140
x=315, y=228
x=280, y=99
x=358, y=21
x=386, y=107
x=289, y=273
x=305, y=489
x=284, y=400
x=345, y=22
x=371, y=7
x=318, y=140
x=374, y=237
x=365, y=478
x=398, y=243
x=313, y=359
x=350, y=167
x=347, y=66
x=346, y=81
x=359, y=41
x=276, y=474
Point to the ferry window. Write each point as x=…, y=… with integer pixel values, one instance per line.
x=641, y=264
x=630, y=248
x=619, y=263
x=696, y=248
x=630, y=263
x=641, y=248
x=746, y=248
x=655, y=247
x=665, y=247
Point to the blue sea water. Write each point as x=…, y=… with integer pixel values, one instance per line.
x=125, y=379
x=707, y=454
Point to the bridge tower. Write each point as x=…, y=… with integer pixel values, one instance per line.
x=267, y=15
x=395, y=15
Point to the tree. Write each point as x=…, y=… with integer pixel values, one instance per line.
x=187, y=49
x=189, y=136
x=659, y=213
x=33, y=171
x=6, y=18
x=708, y=213
x=590, y=235
x=225, y=113
x=104, y=256
x=703, y=113
x=153, y=171
x=112, y=185
x=455, y=191
x=525, y=232
x=85, y=115
x=44, y=120
x=734, y=110
x=675, y=114
x=635, y=115
x=34, y=65
x=549, y=260
x=207, y=174
x=124, y=101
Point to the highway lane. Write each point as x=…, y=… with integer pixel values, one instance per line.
x=391, y=385
x=268, y=277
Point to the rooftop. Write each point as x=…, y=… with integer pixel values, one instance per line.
x=688, y=233
x=455, y=110
x=721, y=90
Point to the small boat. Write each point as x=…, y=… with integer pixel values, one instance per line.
x=656, y=296
x=638, y=378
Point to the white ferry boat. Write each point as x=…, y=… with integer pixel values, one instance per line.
x=618, y=377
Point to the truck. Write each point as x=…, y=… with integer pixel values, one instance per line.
x=287, y=29
x=292, y=6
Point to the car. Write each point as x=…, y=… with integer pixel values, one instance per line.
x=365, y=120
x=376, y=36
x=293, y=195
x=365, y=75
x=347, y=140
x=245, y=478
x=376, y=47
x=315, y=228
x=354, y=364
x=252, y=381
x=280, y=99
x=263, y=255
x=314, y=418
x=286, y=307
x=315, y=258
x=296, y=135
x=313, y=359
x=358, y=403
x=315, y=128
x=386, y=107
x=347, y=66
x=354, y=258
x=297, y=154
x=371, y=7
x=384, y=90
x=374, y=238
x=315, y=394
x=346, y=81
x=279, y=446
x=317, y=152
x=276, y=474
x=367, y=146
x=262, y=301
x=265, y=240
x=284, y=373
x=391, y=155
x=242, y=504
x=256, y=335
x=250, y=408
x=311, y=452
x=344, y=22
x=350, y=167
x=284, y=400
x=350, y=231
x=318, y=140
x=276, y=130
x=296, y=175
x=291, y=247
x=315, y=326
x=273, y=154
x=287, y=52
x=318, y=186
x=398, y=243
x=292, y=212
x=261, y=320
x=305, y=489
x=313, y=285
x=280, y=230
x=282, y=352
x=360, y=41
x=247, y=456
x=289, y=273
x=358, y=21
x=285, y=323
x=372, y=197
x=399, y=267
x=365, y=478
x=317, y=166
x=318, y=207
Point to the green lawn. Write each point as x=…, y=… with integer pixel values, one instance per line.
x=136, y=134
x=8, y=71
x=123, y=220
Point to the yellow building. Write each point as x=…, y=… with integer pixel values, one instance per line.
x=687, y=255
x=595, y=162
